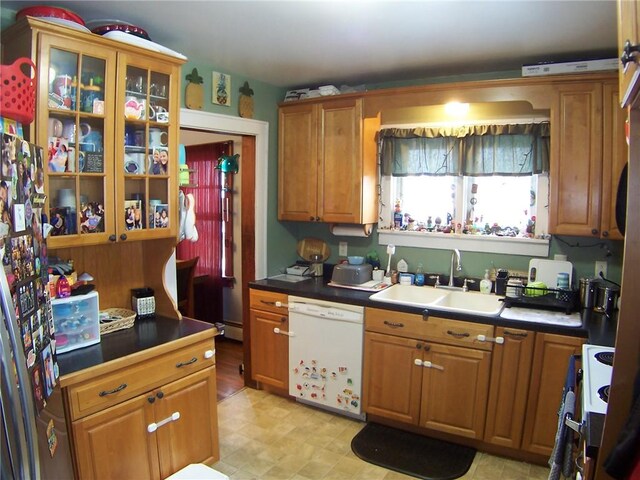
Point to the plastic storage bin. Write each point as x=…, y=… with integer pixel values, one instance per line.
x=77, y=321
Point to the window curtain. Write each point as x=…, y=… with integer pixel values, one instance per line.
x=477, y=150
x=206, y=189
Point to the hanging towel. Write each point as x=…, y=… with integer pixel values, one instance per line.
x=561, y=460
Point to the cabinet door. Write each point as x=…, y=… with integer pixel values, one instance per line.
x=455, y=389
x=298, y=162
x=614, y=158
x=391, y=379
x=192, y=438
x=75, y=121
x=576, y=160
x=340, y=177
x=548, y=374
x=115, y=443
x=269, y=350
x=628, y=29
x=146, y=164
x=510, y=370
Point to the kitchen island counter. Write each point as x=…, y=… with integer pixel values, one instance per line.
x=596, y=327
x=147, y=338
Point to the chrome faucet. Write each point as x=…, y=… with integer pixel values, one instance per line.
x=455, y=260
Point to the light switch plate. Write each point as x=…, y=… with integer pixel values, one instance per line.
x=342, y=249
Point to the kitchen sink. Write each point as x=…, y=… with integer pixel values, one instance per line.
x=411, y=295
x=453, y=301
x=470, y=302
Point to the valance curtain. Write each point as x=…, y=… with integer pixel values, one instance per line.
x=477, y=150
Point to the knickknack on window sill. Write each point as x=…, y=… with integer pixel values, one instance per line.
x=532, y=247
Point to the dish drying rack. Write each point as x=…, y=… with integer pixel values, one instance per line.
x=543, y=298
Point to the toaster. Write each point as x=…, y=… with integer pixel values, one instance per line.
x=347, y=274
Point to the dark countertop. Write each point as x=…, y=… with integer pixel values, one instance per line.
x=144, y=334
x=598, y=329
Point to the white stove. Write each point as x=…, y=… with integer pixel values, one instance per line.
x=597, y=366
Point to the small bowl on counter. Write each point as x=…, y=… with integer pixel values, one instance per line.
x=355, y=260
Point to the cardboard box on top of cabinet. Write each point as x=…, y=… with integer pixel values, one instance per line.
x=570, y=67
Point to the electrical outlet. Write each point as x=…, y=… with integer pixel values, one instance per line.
x=601, y=266
x=342, y=249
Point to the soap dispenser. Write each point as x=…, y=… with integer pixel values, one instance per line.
x=485, y=283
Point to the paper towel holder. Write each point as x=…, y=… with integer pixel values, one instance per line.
x=350, y=230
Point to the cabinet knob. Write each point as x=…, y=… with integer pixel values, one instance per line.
x=317, y=219
x=605, y=233
x=311, y=218
x=123, y=236
x=419, y=346
x=628, y=53
x=594, y=231
x=151, y=399
x=112, y=238
x=160, y=394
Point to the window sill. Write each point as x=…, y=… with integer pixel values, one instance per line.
x=533, y=247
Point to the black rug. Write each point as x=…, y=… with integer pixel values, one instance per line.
x=411, y=454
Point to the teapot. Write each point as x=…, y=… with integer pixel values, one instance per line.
x=134, y=109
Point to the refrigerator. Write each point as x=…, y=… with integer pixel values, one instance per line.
x=33, y=431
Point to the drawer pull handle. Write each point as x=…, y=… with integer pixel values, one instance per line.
x=484, y=338
x=189, y=362
x=516, y=334
x=104, y=393
x=275, y=304
x=277, y=331
x=457, y=334
x=152, y=427
x=394, y=324
x=427, y=364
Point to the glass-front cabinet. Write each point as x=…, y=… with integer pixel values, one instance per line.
x=107, y=113
x=148, y=162
x=77, y=91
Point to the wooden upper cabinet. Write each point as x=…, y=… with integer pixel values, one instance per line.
x=576, y=160
x=327, y=162
x=615, y=154
x=298, y=162
x=629, y=30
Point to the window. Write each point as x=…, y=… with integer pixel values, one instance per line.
x=450, y=183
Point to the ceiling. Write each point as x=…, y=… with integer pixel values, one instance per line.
x=309, y=43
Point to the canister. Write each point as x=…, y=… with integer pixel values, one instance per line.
x=607, y=299
x=587, y=292
x=514, y=288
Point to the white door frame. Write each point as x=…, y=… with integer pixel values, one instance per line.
x=259, y=129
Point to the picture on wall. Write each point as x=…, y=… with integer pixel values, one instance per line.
x=221, y=86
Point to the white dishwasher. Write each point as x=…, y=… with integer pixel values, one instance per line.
x=325, y=354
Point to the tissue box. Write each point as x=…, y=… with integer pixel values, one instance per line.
x=77, y=321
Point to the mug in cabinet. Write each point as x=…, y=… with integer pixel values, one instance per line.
x=69, y=131
x=55, y=127
x=158, y=138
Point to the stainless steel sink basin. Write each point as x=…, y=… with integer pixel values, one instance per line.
x=453, y=301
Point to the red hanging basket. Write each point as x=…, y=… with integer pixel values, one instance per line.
x=18, y=91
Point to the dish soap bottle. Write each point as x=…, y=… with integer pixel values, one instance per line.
x=419, y=275
x=485, y=283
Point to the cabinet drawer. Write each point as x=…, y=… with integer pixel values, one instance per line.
x=436, y=329
x=115, y=387
x=266, y=301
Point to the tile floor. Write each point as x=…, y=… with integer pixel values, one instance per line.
x=266, y=437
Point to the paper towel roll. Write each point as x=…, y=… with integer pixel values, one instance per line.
x=351, y=230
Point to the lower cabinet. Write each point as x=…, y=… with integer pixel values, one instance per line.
x=133, y=432
x=510, y=374
x=424, y=382
x=437, y=374
x=269, y=324
x=548, y=375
